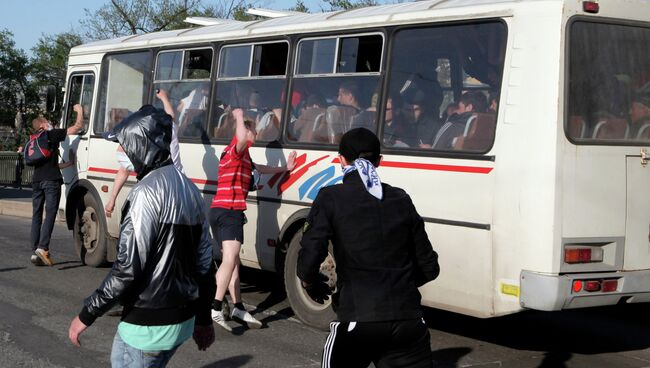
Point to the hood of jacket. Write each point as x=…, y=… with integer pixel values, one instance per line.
x=145, y=137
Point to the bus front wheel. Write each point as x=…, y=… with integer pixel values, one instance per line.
x=309, y=311
x=90, y=232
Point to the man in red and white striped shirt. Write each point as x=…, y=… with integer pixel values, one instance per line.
x=227, y=217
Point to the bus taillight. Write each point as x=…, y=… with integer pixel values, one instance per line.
x=590, y=7
x=604, y=286
x=610, y=285
x=583, y=254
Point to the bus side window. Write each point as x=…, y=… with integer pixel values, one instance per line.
x=425, y=86
x=335, y=96
x=123, y=88
x=80, y=91
x=258, y=91
x=185, y=76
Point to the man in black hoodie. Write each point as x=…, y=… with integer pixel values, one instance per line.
x=382, y=256
x=163, y=274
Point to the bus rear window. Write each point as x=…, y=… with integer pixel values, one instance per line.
x=609, y=84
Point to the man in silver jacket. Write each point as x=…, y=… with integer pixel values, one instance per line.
x=163, y=275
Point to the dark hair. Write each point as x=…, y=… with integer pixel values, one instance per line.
x=351, y=87
x=316, y=99
x=360, y=143
x=476, y=99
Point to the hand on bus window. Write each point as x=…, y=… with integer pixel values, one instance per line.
x=291, y=161
x=78, y=109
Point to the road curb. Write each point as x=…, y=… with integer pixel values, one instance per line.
x=20, y=209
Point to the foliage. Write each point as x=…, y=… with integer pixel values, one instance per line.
x=129, y=17
x=50, y=62
x=349, y=4
x=299, y=7
x=17, y=94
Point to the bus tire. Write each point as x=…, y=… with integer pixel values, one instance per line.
x=90, y=231
x=306, y=309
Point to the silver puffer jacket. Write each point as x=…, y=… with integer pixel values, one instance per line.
x=164, y=272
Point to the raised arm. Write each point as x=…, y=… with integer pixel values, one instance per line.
x=164, y=98
x=79, y=122
x=241, y=132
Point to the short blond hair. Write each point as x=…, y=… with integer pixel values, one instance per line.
x=39, y=120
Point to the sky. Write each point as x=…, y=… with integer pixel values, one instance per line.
x=28, y=20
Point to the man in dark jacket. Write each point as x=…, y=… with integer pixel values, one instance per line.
x=46, y=187
x=163, y=274
x=382, y=256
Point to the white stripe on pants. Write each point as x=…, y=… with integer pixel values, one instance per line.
x=329, y=345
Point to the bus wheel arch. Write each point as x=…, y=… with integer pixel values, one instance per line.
x=89, y=225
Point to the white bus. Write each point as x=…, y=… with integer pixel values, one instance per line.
x=539, y=200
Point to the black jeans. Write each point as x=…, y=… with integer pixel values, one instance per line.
x=48, y=193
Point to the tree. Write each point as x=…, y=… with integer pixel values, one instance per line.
x=129, y=17
x=16, y=93
x=299, y=7
x=50, y=63
x=350, y=4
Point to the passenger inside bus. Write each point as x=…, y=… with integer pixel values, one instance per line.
x=310, y=125
x=368, y=117
x=421, y=113
x=471, y=103
x=394, y=127
x=339, y=117
x=640, y=114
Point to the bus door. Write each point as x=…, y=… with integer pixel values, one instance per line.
x=80, y=90
x=637, y=222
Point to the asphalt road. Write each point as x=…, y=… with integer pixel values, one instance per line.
x=37, y=304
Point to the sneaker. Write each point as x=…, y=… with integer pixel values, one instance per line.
x=245, y=318
x=36, y=261
x=44, y=256
x=217, y=316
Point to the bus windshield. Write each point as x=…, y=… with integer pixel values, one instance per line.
x=609, y=84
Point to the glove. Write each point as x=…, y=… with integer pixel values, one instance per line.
x=319, y=291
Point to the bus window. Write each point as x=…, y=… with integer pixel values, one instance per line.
x=438, y=95
x=80, y=91
x=185, y=75
x=125, y=82
x=332, y=96
x=609, y=83
x=253, y=78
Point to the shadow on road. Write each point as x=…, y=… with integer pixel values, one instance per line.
x=9, y=269
x=448, y=358
x=232, y=362
x=266, y=282
x=558, y=334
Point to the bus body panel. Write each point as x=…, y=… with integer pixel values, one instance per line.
x=500, y=226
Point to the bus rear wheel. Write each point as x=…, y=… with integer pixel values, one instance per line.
x=306, y=309
x=90, y=232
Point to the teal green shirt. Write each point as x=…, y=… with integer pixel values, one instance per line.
x=156, y=337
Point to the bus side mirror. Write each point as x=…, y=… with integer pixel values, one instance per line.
x=50, y=99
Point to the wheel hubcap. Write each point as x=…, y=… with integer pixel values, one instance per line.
x=89, y=228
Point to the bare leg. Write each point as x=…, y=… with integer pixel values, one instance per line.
x=229, y=262
x=233, y=287
x=118, y=183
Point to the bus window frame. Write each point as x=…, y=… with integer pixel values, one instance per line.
x=64, y=117
x=429, y=152
x=104, y=72
x=567, y=63
x=183, y=50
x=338, y=36
x=287, y=77
x=252, y=45
x=214, y=46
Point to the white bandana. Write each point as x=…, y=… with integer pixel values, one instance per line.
x=368, y=175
